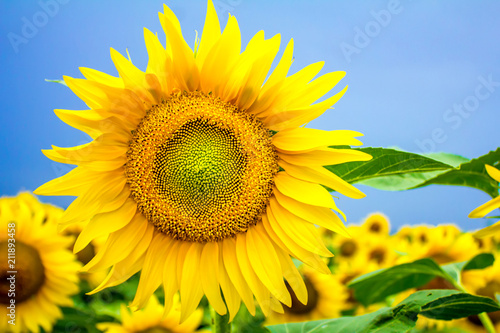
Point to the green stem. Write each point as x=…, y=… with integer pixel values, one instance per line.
x=483, y=316
x=220, y=324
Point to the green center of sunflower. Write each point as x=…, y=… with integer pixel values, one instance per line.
x=200, y=169
x=297, y=307
x=29, y=273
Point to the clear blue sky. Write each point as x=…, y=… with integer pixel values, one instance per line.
x=414, y=68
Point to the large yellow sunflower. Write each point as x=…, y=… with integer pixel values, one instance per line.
x=199, y=171
x=39, y=273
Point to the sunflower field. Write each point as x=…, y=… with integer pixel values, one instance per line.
x=204, y=199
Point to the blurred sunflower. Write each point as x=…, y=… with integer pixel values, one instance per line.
x=377, y=223
x=484, y=209
x=47, y=272
x=199, y=166
x=443, y=243
x=326, y=299
x=151, y=320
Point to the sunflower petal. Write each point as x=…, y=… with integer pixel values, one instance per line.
x=209, y=264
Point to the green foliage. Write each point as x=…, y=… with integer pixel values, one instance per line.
x=396, y=170
x=376, y=286
x=390, y=169
x=438, y=304
x=471, y=174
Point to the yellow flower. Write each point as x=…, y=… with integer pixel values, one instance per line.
x=377, y=223
x=484, y=209
x=327, y=298
x=199, y=168
x=151, y=320
x=443, y=243
x=46, y=272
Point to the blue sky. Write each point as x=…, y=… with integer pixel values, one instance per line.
x=423, y=76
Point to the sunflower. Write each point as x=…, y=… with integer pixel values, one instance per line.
x=199, y=167
x=41, y=274
x=327, y=297
x=151, y=320
x=377, y=223
x=443, y=243
x=484, y=209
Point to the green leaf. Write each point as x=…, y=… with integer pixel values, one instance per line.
x=57, y=81
x=438, y=304
x=480, y=261
x=471, y=174
x=387, y=320
x=374, y=287
x=458, y=306
x=392, y=169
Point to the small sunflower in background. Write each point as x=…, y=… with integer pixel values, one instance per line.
x=488, y=207
x=377, y=223
x=151, y=319
x=326, y=298
x=443, y=243
x=200, y=166
x=46, y=270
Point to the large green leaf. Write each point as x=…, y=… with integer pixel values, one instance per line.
x=471, y=174
x=376, y=286
x=458, y=306
x=439, y=304
x=391, y=169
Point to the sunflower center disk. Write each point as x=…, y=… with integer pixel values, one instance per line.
x=30, y=274
x=200, y=169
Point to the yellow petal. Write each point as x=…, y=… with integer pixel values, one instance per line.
x=170, y=281
x=275, y=231
x=306, y=192
x=493, y=172
x=488, y=231
x=321, y=216
x=325, y=156
x=210, y=35
x=316, y=89
x=258, y=288
x=485, y=208
x=74, y=183
x=266, y=264
x=185, y=70
x=235, y=274
x=151, y=274
x=231, y=294
x=275, y=81
x=158, y=61
x=106, y=223
x=209, y=265
x=87, y=121
x=292, y=276
x=305, y=234
x=133, y=78
x=318, y=174
x=191, y=289
x=91, y=202
x=221, y=58
x=295, y=118
x=119, y=244
x=94, y=75
x=302, y=138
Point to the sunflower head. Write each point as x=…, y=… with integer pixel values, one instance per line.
x=200, y=166
x=42, y=270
